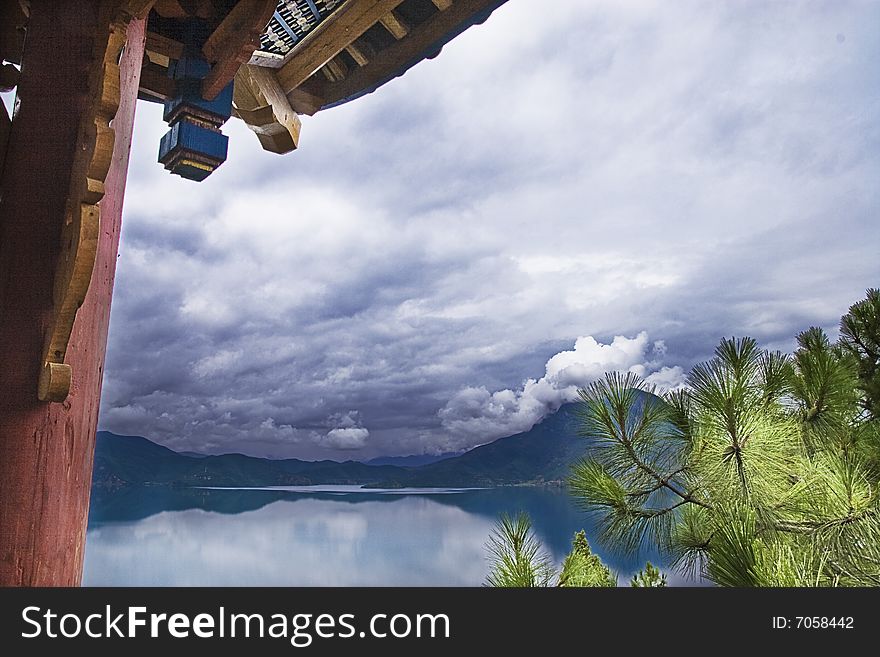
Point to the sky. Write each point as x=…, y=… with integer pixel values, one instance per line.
x=604, y=186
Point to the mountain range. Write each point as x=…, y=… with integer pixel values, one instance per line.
x=544, y=454
x=412, y=460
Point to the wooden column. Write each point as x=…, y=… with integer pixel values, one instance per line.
x=46, y=449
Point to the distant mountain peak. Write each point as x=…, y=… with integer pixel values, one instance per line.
x=412, y=460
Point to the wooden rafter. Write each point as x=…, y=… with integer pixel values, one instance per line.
x=394, y=24
x=331, y=37
x=336, y=69
x=162, y=45
x=397, y=56
x=304, y=102
x=233, y=42
x=360, y=58
x=342, y=56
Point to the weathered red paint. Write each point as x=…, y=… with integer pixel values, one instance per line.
x=47, y=450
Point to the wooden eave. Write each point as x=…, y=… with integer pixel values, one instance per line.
x=352, y=51
x=338, y=62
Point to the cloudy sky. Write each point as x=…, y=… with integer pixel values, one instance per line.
x=602, y=186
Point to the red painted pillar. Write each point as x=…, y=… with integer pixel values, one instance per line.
x=47, y=449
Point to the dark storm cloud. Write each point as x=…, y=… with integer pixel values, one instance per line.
x=411, y=279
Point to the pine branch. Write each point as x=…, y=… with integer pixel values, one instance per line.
x=662, y=482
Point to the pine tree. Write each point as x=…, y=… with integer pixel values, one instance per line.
x=860, y=337
x=751, y=476
x=518, y=559
x=648, y=577
x=582, y=568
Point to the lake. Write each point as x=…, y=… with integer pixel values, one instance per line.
x=318, y=536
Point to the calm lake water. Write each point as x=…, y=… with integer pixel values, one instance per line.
x=317, y=536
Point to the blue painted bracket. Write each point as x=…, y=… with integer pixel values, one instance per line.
x=194, y=146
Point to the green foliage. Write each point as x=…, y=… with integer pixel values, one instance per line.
x=824, y=391
x=860, y=337
x=649, y=577
x=582, y=568
x=761, y=472
x=519, y=560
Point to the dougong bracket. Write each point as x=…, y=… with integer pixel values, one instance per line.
x=194, y=146
x=212, y=47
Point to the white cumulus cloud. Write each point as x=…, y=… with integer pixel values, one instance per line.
x=474, y=415
x=347, y=438
x=347, y=432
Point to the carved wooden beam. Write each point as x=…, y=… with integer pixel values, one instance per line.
x=261, y=103
x=79, y=234
x=233, y=42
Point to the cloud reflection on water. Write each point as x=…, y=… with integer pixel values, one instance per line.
x=202, y=537
x=413, y=541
